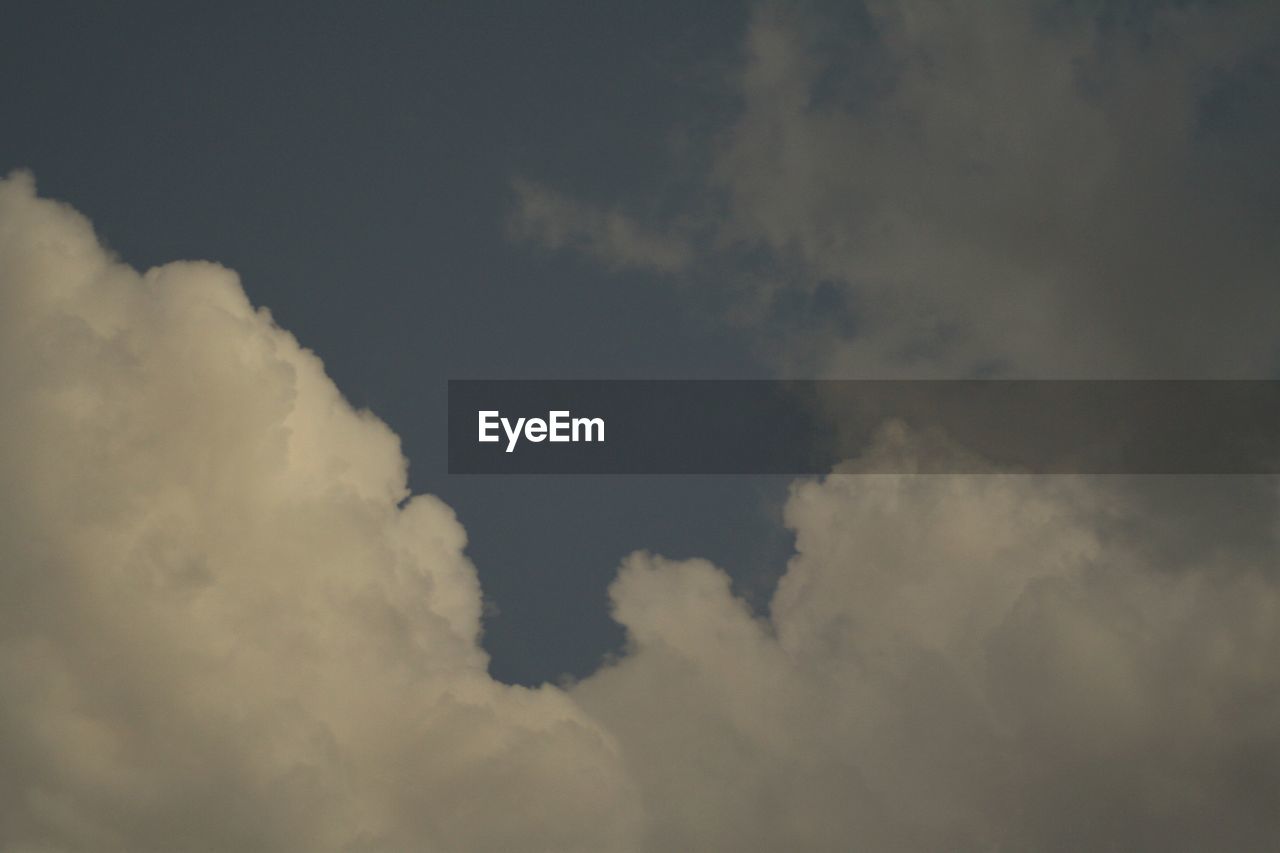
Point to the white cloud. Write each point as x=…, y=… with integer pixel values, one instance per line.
x=219, y=631
x=952, y=662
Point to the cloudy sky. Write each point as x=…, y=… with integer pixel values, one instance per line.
x=243, y=606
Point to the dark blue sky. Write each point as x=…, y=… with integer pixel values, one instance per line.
x=353, y=162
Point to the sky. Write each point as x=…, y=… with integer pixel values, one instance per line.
x=244, y=607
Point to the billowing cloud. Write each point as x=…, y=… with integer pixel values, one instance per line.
x=222, y=625
x=953, y=663
x=225, y=625
x=929, y=188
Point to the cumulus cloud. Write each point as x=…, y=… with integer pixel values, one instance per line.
x=225, y=625
x=933, y=188
x=953, y=663
x=222, y=625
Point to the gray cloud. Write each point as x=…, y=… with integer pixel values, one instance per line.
x=1038, y=189
x=991, y=662
x=551, y=219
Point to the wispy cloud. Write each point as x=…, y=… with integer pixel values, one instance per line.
x=1036, y=189
x=609, y=236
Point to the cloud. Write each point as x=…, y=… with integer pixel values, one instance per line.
x=1037, y=189
x=220, y=629
x=935, y=188
x=225, y=625
x=926, y=188
x=952, y=662
x=554, y=221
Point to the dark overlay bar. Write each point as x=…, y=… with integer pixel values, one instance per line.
x=807, y=427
